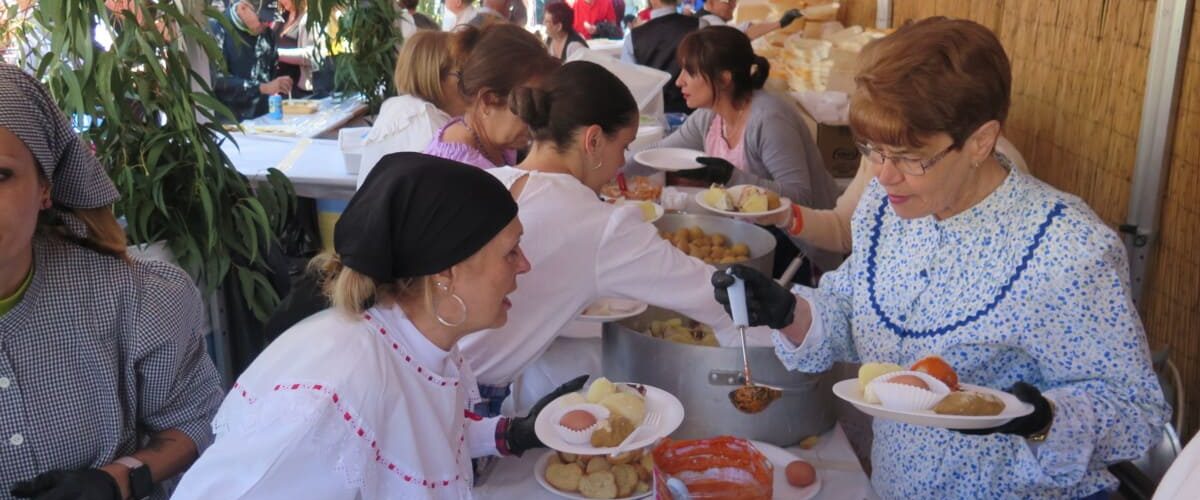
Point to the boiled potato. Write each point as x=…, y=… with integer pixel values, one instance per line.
x=599, y=485
x=564, y=477
x=601, y=388
x=626, y=477
x=598, y=464
x=695, y=232
x=627, y=405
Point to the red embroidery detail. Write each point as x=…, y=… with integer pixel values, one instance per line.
x=420, y=369
x=335, y=397
x=277, y=387
x=295, y=386
x=317, y=387
x=360, y=433
x=395, y=346
x=346, y=416
x=446, y=483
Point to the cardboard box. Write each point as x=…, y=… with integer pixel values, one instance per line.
x=836, y=143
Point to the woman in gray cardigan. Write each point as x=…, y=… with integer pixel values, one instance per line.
x=750, y=136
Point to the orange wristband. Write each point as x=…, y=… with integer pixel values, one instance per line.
x=797, y=221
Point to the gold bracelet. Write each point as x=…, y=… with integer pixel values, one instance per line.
x=1041, y=435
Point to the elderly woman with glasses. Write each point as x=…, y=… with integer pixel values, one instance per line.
x=1017, y=285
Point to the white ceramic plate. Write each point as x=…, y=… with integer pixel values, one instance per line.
x=539, y=472
x=656, y=400
x=612, y=309
x=1013, y=408
x=670, y=159
x=780, y=457
x=736, y=192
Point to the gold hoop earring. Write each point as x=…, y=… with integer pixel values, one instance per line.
x=598, y=165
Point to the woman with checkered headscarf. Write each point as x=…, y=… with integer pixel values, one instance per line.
x=105, y=385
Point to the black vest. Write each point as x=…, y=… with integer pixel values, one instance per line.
x=654, y=45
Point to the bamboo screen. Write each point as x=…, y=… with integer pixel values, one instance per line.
x=1079, y=72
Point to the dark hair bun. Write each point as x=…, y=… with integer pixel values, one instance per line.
x=760, y=72
x=532, y=105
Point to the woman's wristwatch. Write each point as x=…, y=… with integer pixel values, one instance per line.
x=141, y=483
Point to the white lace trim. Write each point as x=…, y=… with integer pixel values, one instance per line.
x=354, y=448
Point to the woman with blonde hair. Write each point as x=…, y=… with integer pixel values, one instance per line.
x=370, y=398
x=107, y=385
x=428, y=96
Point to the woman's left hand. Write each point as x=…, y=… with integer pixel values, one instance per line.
x=714, y=171
x=521, y=435
x=1036, y=423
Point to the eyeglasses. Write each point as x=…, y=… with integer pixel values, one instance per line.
x=909, y=166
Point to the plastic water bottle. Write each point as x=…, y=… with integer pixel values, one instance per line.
x=275, y=107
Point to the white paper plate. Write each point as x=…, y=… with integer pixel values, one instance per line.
x=1013, y=408
x=736, y=192
x=612, y=310
x=539, y=472
x=780, y=457
x=656, y=400
x=670, y=159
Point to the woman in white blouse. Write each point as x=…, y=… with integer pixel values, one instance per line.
x=369, y=399
x=581, y=248
x=427, y=97
x=298, y=45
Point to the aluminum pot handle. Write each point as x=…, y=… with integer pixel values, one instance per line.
x=737, y=378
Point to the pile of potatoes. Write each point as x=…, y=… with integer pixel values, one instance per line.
x=683, y=331
x=712, y=248
x=601, y=476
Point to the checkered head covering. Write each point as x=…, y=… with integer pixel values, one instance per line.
x=76, y=177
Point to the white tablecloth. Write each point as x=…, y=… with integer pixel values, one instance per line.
x=841, y=476
x=315, y=166
x=331, y=115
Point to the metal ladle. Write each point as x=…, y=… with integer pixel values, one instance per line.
x=749, y=398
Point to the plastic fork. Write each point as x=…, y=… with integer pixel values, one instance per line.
x=649, y=422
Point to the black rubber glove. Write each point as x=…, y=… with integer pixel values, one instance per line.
x=520, y=435
x=84, y=484
x=767, y=302
x=789, y=17
x=715, y=171
x=1028, y=425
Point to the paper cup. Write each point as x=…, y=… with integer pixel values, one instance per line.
x=904, y=397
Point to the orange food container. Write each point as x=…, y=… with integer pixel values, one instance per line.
x=720, y=468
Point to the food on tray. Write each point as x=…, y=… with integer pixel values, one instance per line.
x=601, y=476
x=751, y=199
x=564, y=477
x=637, y=188
x=600, y=389
x=649, y=211
x=577, y=420
x=871, y=371
x=906, y=394
x=612, y=431
x=626, y=404
x=939, y=369
x=969, y=403
x=712, y=248
x=683, y=331
x=800, y=474
x=720, y=467
x=300, y=106
x=598, y=485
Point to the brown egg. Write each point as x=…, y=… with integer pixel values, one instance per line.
x=800, y=474
x=577, y=420
x=912, y=380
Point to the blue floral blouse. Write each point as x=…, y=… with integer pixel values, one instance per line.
x=1028, y=285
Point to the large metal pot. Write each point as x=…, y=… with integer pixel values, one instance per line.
x=760, y=241
x=701, y=377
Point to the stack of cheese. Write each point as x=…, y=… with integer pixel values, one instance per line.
x=801, y=64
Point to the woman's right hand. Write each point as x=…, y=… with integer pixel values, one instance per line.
x=281, y=85
x=767, y=302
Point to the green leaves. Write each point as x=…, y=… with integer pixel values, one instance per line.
x=364, y=41
x=144, y=101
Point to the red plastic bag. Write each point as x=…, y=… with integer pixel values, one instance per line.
x=720, y=468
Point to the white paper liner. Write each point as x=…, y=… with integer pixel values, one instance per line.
x=584, y=436
x=903, y=397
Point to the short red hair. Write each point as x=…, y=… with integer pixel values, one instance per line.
x=937, y=75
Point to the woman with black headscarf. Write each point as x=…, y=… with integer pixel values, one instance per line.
x=369, y=399
x=105, y=385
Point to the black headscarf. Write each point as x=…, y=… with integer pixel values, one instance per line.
x=417, y=215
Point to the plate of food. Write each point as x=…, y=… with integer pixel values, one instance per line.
x=597, y=420
x=650, y=211
x=742, y=201
x=640, y=188
x=610, y=309
x=581, y=477
x=928, y=394
x=795, y=479
x=300, y=106
x=670, y=159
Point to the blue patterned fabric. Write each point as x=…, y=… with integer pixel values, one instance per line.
x=493, y=396
x=1028, y=285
